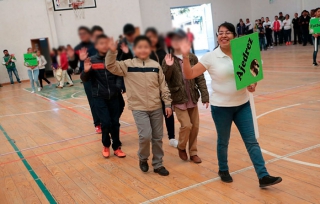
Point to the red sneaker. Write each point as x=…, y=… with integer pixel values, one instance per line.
x=98, y=129
x=106, y=152
x=119, y=153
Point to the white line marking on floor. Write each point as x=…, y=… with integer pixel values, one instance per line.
x=233, y=173
x=51, y=143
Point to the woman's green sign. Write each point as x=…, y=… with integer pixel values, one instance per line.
x=246, y=60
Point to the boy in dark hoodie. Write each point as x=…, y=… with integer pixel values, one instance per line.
x=105, y=90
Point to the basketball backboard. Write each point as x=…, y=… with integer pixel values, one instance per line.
x=62, y=5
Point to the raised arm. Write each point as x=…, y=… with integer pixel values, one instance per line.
x=167, y=66
x=115, y=67
x=190, y=72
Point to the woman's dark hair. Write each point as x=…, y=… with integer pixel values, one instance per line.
x=253, y=68
x=160, y=44
x=55, y=51
x=141, y=38
x=315, y=10
x=288, y=15
x=152, y=30
x=230, y=27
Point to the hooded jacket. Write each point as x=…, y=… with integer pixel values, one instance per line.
x=144, y=80
x=176, y=84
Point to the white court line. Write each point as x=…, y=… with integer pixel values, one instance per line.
x=233, y=173
x=51, y=143
x=291, y=72
x=290, y=88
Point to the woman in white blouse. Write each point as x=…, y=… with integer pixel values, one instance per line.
x=287, y=25
x=41, y=64
x=228, y=104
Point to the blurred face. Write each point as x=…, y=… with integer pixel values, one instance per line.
x=267, y=19
x=248, y=21
x=280, y=14
x=153, y=38
x=5, y=52
x=305, y=13
x=102, y=45
x=317, y=13
x=130, y=37
x=296, y=15
x=224, y=37
x=142, y=49
x=38, y=53
x=95, y=34
x=276, y=18
x=29, y=50
x=175, y=42
x=84, y=36
x=262, y=19
x=287, y=17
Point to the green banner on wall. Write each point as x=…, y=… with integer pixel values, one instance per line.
x=246, y=60
x=30, y=59
x=314, y=25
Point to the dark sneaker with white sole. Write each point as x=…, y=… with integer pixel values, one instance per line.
x=225, y=176
x=269, y=181
x=144, y=166
x=161, y=171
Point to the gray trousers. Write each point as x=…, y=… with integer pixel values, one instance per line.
x=150, y=129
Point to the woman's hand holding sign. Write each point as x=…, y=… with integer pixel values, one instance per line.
x=252, y=87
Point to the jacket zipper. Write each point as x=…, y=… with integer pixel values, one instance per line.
x=105, y=71
x=155, y=53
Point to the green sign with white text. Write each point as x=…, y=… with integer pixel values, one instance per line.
x=30, y=59
x=246, y=60
x=315, y=26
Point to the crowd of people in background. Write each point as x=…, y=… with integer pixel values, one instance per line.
x=279, y=31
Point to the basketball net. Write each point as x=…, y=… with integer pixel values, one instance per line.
x=77, y=6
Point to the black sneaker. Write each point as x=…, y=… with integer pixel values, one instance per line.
x=315, y=64
x=144, y=166
x=225, y=176
x=269, y=181
x=161, y=171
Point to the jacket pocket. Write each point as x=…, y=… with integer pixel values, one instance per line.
x=176, y=94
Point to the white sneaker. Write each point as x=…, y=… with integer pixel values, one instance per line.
x=32, y=91
x=39, y=88
x=271, y=47
x=173, y=143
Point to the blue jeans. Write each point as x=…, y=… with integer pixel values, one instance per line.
x=109, y=114
x=15, y=72
x=242, y=117
x=88, y=89
x=316, y=48
x=34, y=78
x=262, y=43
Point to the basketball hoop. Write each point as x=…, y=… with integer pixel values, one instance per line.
x=77, y=6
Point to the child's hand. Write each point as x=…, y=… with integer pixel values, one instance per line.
x=169, y=59
x=87, y=65
x=124, y=48
x=185, y=47
x=83, y=54
x=206, y=104
x=112, y=45
x=168, y=112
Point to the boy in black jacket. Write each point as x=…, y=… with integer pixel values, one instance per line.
x=105, y=90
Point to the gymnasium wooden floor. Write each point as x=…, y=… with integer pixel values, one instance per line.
x=50, y=153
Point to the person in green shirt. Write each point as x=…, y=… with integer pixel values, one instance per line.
x=9, y=62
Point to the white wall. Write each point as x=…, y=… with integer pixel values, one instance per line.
x=264, y=8
x=111, y=15
x=18, y=26
x=157, y=12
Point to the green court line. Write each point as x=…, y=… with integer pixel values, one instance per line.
x=35, y=177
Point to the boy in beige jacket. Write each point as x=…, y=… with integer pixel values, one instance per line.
x=146, y=86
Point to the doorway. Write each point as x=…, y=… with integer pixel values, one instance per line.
x=198, y=19
x=42, y=44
